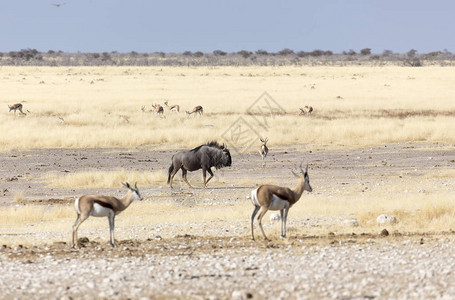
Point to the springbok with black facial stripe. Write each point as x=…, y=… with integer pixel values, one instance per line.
x=272, y=197
x=264, y=150
x=103, y=206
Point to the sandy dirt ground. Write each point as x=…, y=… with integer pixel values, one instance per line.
x=219, y=260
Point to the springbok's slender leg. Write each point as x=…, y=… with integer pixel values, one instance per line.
x=282, y=218
x=256, y=209
x=184, y=177
x=80, y=218
x=286, y=210
x=75, y=232
x=261, y=215
x=111, y=218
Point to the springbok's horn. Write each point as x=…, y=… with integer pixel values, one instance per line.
x=135, y=185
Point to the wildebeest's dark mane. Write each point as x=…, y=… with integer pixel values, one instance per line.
x=213, y=144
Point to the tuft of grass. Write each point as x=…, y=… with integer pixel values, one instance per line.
x=106, y=179
x=18, y=197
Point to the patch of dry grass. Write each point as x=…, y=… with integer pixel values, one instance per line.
x=106, y=179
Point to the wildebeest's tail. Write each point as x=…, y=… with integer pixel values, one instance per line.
x=171, y=168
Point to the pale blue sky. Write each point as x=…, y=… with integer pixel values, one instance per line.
x=203, y=25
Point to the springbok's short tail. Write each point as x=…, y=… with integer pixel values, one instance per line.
x=254, y=197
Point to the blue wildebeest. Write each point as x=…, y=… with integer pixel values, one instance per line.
x=203, y=157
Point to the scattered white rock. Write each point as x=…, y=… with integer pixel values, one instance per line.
x=351, y=223
x=275, y=218
x=386, y=219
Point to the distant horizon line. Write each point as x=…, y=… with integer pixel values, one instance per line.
x=284, y=51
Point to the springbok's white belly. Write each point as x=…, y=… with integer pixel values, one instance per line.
x=100, y=211
x=278, y=203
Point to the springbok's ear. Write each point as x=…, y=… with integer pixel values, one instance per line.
x=295, y=174
x=126, y=184
x=306, y=169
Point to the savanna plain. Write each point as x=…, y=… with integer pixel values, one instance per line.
x=379, y=141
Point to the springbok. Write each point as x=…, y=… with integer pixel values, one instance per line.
x=307, y=110
x=17, y=106
x=103, y=206
x=197, y=109
x=158, y=109
x=173, y=108
x=272, y=197
x=264, y=150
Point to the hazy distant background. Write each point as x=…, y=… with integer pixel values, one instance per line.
x=178, y=26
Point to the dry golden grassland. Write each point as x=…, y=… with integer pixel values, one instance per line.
x=101, y=106
x=353, y=107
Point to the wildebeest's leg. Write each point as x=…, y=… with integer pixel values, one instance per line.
x=171, y=177
x=184, y=177
x=211, y=176
x=204, y=175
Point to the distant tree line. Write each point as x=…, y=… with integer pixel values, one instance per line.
x=260, y=57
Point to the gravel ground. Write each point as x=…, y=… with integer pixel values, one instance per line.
x=218, y=260
x=192, y=267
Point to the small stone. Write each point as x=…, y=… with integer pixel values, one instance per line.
x=275, y=218
x=384, y=232
x=385, y=219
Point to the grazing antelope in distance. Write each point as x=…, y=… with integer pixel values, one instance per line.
x=158, y=109
x=272, y=197
x=17, y=106
x=103, y=206
x=198, y=109
x=309, y=110
x=173, y=108
x=264, y=150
